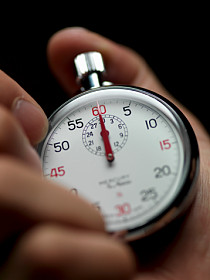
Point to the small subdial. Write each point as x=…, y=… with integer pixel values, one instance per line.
x=93, y=141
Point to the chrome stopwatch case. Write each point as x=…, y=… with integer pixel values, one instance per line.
x=127, y=150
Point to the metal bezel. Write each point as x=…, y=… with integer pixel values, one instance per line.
x=191, y=157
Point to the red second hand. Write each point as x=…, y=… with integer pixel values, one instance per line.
x=105, y=136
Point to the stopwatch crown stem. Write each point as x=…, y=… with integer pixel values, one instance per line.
x=89, y=67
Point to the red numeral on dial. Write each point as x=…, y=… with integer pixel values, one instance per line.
x=123, y=209
x=58, y=171
x=102, y=109
x=165, y=144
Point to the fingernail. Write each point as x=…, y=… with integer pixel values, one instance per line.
x=31, y=118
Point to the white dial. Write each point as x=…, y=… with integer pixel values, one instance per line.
x=150, y=154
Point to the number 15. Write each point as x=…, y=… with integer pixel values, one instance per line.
x=165, y=144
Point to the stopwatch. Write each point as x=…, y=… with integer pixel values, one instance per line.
x=127, y=150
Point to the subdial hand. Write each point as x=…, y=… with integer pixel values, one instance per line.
x=105, y=136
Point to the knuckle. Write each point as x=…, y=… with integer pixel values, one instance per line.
x=7, y=167
x=32, y=257
x=8, y=128
x=9, y=90
x=39, y=248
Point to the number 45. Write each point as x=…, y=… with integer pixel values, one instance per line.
x=58, y=171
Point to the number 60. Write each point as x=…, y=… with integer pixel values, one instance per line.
x=95, y=110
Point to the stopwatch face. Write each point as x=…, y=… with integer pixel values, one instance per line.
x=155, y=156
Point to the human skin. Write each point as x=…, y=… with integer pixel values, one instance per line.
x=58, y=241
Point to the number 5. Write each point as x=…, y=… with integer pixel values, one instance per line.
x=127, y=110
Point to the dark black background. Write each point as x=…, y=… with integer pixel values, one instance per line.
x=173, y=38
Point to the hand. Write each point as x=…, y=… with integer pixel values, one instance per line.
x=46, y=232
x=189, y=255
x=23, y=122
